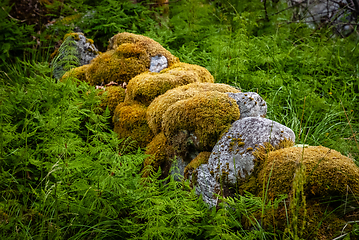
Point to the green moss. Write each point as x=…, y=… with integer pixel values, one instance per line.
x=130, y=121
x=206, y=115
x=201, y=158
x=160, y=105
x=112, y=96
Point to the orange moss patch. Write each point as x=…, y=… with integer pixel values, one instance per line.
x=112, y=96
x=130, y=121
x=79, y=73
x=206, y=115
x=327, y=171
x=160, y=104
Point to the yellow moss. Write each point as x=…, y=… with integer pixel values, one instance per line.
x=206, y=114
x=114, y=66
x=130, y=121
x=112, y=96
x=158, y=149
x=151, y=47
x=202, y=158
x=181, y=69
x=146, y=86
x=75, y=36
x=327, y=171
x=79, y=73
x=160, y=104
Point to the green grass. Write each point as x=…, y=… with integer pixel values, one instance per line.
x=63, y=174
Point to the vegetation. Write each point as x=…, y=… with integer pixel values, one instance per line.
x=66, y=175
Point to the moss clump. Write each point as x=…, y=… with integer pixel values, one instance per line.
x=79, y=73
x=201, y=158
x=130, y=121
x=328, y=173
x=160, y=104
x=181, y=69
x=128, y=55
x=206, y=115
x=146, y=86
x=75, y=36
x=158, y=149
x=112, y=96
x=152, y=48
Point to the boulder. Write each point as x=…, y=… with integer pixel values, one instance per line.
x=74, y=45
x=232, y=158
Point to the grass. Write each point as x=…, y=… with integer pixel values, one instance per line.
x=63, y=175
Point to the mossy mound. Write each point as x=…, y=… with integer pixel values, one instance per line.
x=79, y=73
x=180, y=69
x=207, y=115
x=328, y=173
x=146, y=86
x=201, y=158
x=130, y=121
x=160, y=104
x=128, y=55
x=112, y=96
x=158, y=148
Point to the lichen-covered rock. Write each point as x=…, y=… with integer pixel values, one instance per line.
x=128, y=55
x=146, y=86
x=130, y=121
x=160, y=104
x=233, y=157
x=190, y=171
x=328, y=173
x=206, y=115
x=250, y=104
x=158, y=63
x=84, y=51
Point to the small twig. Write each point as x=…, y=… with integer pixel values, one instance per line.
x=349, y=124
x=12, y=16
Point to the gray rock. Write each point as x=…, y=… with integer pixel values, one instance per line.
x=232, y=156
x=158, y=63
x=206, y=185
x=250, y=104
x=77, y=52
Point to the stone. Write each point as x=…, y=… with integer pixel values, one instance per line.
x=158, y=63
x=250, y=104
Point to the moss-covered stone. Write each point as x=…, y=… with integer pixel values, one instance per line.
x=328, y=173
x=201, y=158
x=160, y=104
x=128, y=55
x=146, y=86
x=206, y=115
x=158, y=148
x=112, y=96
x=79, y=73
x=130, y=121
